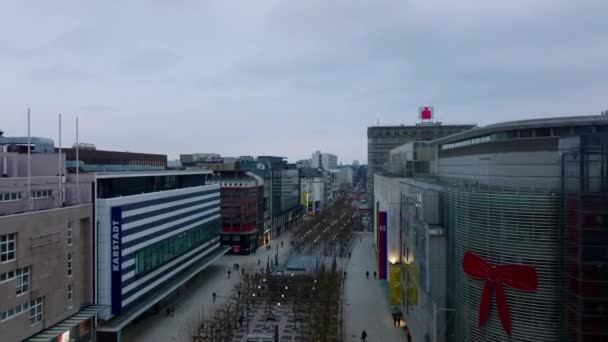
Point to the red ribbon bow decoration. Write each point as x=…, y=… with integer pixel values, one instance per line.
x=519, y=277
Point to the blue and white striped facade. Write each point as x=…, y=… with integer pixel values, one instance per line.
x=128, y=224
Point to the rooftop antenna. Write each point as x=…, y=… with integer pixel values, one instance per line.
x=378, y=122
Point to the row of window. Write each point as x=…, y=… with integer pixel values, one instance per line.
x=523, y=133
x=16, y=196
x=10, y=196
x=413, y=132
x=154, y=256
x=35, y=307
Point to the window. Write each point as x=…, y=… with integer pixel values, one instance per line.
x=42, y=193
x=8, y=276
x=69, y=265
x=23, y=280
x=7, y=247
x=36, y=311
x=10, y=196
x=70, y=296
x=70, y=232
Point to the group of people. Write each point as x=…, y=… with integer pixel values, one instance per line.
x=367, y=274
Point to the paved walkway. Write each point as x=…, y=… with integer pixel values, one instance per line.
x=367, y=304
x=197, y=299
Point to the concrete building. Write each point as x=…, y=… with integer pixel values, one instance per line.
x=155, y=231
x=527, y=197
x=382, y=139
x=326, y=161
x=242, y=209
x=311, y=190
x=303, y=163
x=46, y=237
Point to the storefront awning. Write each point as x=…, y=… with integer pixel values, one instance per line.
x=67, y=324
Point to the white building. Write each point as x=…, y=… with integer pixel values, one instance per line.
x=311, y=190
x=327, y=161
x=346, y=177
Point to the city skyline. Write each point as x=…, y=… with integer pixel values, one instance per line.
x=284, y=78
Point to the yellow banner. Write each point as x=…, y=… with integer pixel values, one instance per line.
x=395, y=284
x=304, y=199
x=413, y=273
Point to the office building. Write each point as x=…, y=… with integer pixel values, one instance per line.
x=285, y=193
x=522, y=205
x=46, y=233
x=326, y=161
x=242, y=209
x=381, y=139
x=155, y=231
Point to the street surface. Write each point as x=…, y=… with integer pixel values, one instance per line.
x=366, y=300
x=197, y=299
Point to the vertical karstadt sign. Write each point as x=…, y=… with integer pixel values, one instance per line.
x=116, y=258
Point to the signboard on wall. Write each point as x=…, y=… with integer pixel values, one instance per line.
x=116, y=258
x=395, y=284
x=382, y=245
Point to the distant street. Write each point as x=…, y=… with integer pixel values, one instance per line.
x=367, y=304
x=197, y=299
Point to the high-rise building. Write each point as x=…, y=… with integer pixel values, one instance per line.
x=326, y=161
x=381, y=139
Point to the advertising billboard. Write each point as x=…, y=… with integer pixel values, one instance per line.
x=395, y=284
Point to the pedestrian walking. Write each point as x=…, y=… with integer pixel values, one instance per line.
x=344, y=274
x=409, y=336
x=374, y=274
x=394, y=320
x=229, y=274
x=214, y=295
x=363, y=336
x=281, y=244
x=349, y=254
x=367, y=274
x=168, y=311
x=259, y=262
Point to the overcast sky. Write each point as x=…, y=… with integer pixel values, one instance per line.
x=291, y=77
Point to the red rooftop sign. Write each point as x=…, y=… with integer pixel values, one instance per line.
x=425, y=113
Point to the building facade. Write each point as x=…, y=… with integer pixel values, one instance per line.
x=522, y=206
x=242, y=209
x=155, y=231
x=326, y=161
x=382, y=139
x=311, y=190
x=46, y=233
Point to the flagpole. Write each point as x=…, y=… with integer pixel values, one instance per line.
x=29, y=164
x=59, y=166
x=77, y=166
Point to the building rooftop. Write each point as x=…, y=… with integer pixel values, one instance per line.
x=122, y=174
x=588, y=120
